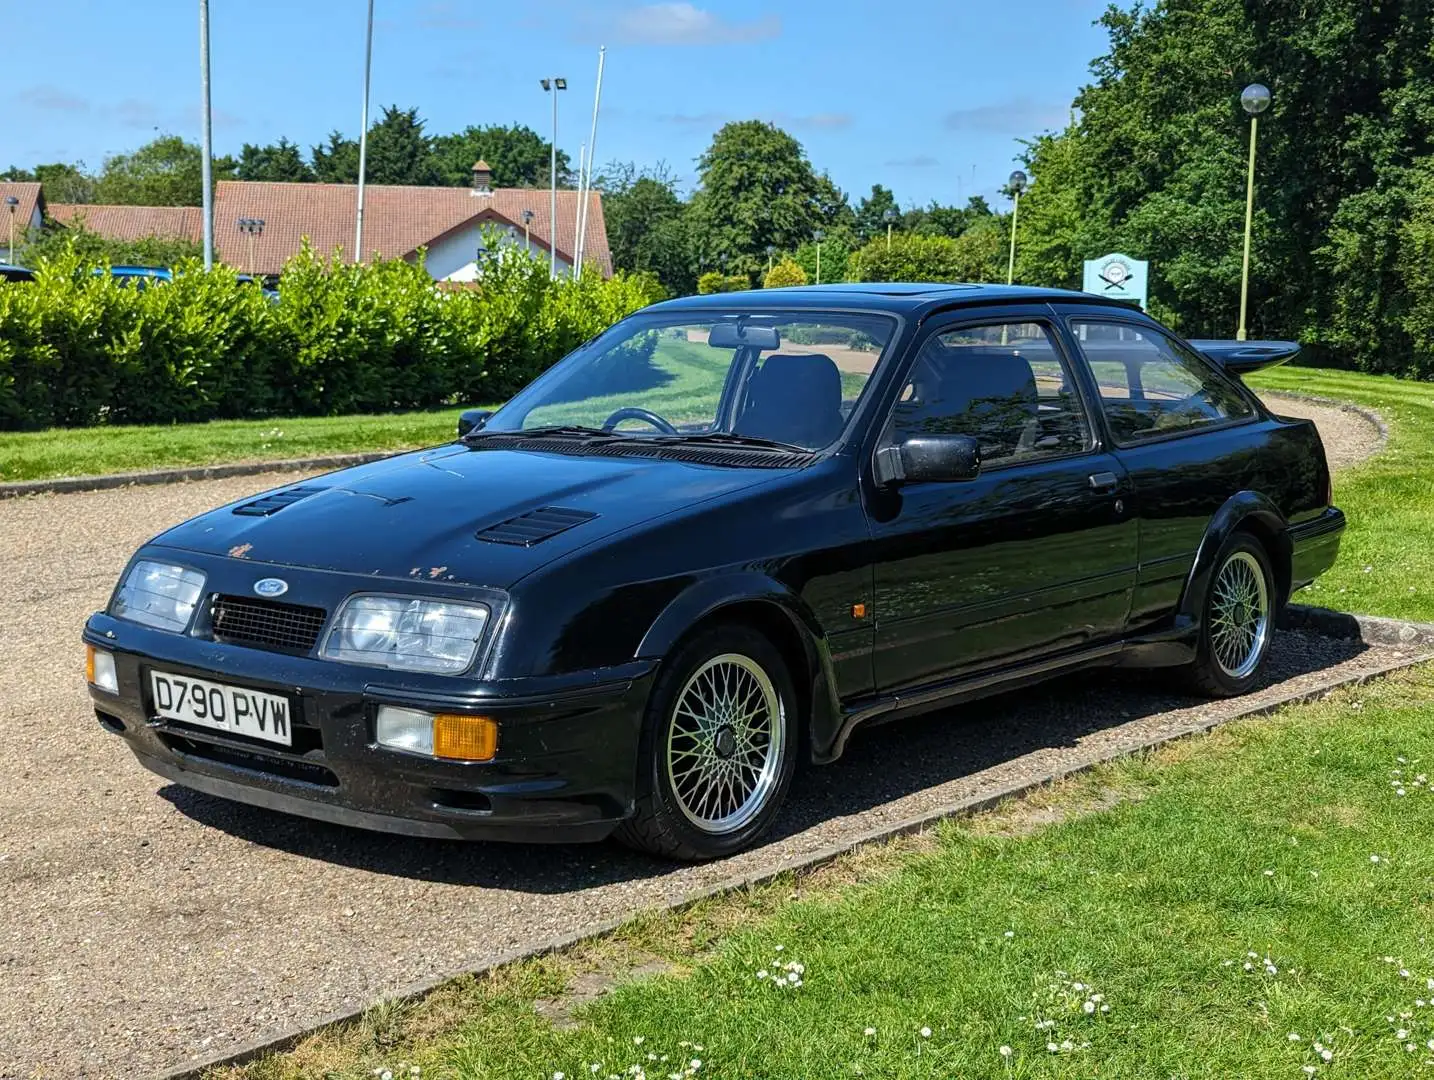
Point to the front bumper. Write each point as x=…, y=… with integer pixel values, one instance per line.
x=564, y=769
x=1314, y=546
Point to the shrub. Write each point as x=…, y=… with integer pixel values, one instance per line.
x=975, y=255
x=785, y=273
x=77, y=348
x=715, y=282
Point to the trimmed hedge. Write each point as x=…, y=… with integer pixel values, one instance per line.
x=77, y=349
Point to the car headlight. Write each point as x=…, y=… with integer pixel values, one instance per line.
x=158, y=594
x=406, y=634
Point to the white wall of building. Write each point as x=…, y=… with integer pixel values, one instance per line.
x=455, y=257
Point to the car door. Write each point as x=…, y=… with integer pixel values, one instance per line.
x=1037, y=554
x=1182, y=431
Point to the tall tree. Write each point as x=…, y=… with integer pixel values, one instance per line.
x=645, y=226
x=164, y=172
x=518, y=156
x=399, y=152
x=281, y=161
x=871, y=212
x=64, y=183
x=758, y=188
x=336, y=162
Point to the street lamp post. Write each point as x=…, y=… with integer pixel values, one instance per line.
x=817, y=236
x=527, y=231
x=552, y=86
x=10, y=203
x=206, y=164
x=1255, y=99
x=771, y=250
x=890, y=218
x=252, y=227
x=1017, y=184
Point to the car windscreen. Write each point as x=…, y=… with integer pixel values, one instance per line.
x=785, y=377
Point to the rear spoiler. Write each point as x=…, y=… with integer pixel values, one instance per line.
x=1243, y=357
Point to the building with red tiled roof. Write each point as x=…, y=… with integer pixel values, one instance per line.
x=447, y=223
x=22, y=215
x=132, y=222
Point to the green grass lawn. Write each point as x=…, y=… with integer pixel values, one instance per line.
x=1386, y=562
x=1233, y=906
x=87, y=451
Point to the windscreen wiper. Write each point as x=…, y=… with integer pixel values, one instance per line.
x=552, y=431
x=729, y=438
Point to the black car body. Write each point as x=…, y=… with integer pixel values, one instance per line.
x=939, y=536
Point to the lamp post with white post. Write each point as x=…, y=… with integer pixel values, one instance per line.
x=890, y=218
x=1255, y=99
x=817, y=236
x=10, y=203
x=552, y=86
x=1017, y=184
x=771, y=251
x=527, y=230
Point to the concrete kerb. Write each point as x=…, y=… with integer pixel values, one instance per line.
x=1375, y=631
x=66, y=484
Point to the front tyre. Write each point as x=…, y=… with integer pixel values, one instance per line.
x=718, y=747
x=1238, y=621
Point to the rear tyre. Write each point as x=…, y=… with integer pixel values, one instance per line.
x=1238, y=621
x=718, y=750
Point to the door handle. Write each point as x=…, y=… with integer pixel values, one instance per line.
x=1103, y=483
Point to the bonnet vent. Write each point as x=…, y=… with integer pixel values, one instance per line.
x=276, y=501
x=535, y=526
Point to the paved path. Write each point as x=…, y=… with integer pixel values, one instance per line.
x=144, y=926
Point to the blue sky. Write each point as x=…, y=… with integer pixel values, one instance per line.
x=927, y=96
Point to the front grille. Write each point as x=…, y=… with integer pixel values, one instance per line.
x=267, y=624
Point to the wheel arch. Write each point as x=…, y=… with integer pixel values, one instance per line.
x=776, y=612
x=1247, y=511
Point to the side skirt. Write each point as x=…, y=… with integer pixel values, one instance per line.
x=1167, y=648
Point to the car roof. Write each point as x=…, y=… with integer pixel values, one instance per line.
x=896, y=296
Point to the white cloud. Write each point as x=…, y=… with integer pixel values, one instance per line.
x=681, y=23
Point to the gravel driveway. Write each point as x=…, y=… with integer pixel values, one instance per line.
x=144, y=925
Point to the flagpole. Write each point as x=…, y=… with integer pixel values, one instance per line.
x=363, y=135
x=586, y=185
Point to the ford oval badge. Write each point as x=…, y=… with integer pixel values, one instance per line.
x=271, y=586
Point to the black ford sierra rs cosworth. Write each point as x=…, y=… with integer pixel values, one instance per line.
x=705, y=547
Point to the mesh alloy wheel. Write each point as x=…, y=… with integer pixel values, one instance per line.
x=724, y=744
x=1239, y=615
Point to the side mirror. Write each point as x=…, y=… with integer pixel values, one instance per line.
x=929, y=459
x=471, y=420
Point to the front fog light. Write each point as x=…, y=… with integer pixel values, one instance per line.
x=405, y=729
x=443, y=735
x=100, y=669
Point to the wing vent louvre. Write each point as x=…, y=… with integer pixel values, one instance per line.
x=534, y=527
x=275, y=501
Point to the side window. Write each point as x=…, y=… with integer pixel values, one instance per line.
x=1150, y=386
x=1006, y=385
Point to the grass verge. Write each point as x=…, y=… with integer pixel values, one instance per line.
x=1386, y=561
x=41, y=455
x=1255, y=903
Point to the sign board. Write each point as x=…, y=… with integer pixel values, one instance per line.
x=1118, y=277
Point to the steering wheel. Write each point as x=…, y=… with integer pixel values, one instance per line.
x=632, y=412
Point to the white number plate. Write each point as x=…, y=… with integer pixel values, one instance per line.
x=225, y=708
